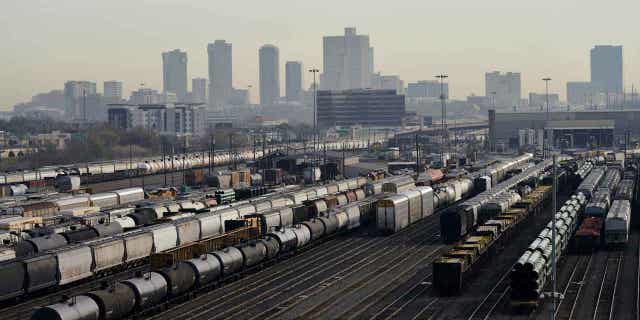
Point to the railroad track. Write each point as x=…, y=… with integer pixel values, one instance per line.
x=220, y=303
x=24, y=309
x=392, y=309
x=286, y=297
x=571, y=292
x=274, y=273
x=489, y=303
x=375, y=280
x=607, y=293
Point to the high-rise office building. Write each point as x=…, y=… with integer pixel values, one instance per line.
x=503, y=89
x=199, y=90
x=76, y=99
x=112, y=91
x=174, y=73
x=220, y=72
x=348, y=61
x=606, y=69
x=365, y=107
x=293, y=74
x=269, y=74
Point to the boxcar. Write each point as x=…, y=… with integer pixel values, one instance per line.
x=392, y=213
x=74, y=263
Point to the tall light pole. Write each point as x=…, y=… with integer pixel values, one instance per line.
x=315, y=107
x=545, y=144
x=441, y=77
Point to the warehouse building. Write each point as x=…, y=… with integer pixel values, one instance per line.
x=573, y=129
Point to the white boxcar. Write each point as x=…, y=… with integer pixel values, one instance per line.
x=392, y=213
x=104, y=199
x=74, y=264
x=72, y=202
x=210, y=224
x=165, y=237
x=107, y=253
x=129, y=195
x=415, y=205
x=426, y=194
x=616, y=226
x=188, y=230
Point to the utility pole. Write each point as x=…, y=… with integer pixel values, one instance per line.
x=417, y=155
x=184, y=159
x=441, y=77
x=315, y=109
x=545, y=151
x=553, y=237
x=84, y=106
x=493, y=106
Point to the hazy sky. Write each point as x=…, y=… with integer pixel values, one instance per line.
x=44, y=43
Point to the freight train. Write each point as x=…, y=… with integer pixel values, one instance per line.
x=56, y=260
x=155, y=164
x=463, y=218
x=602, y=185
x=451, y=270
x=530, y=272
x=56, y=204
x=151, y=289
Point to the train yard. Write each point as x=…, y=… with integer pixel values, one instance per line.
x=476, y=246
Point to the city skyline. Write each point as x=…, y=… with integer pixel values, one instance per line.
x=465, y=53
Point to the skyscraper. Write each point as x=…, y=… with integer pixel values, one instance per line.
x=199, y=90
x=76, y=99
x=269, y=74
x=293, y=74
x=606, y=69
x=220, y=72
x=348, y=61
x=112, y=91
x=174, y=73
x=503, y=89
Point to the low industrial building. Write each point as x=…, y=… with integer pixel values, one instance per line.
x=577, y=129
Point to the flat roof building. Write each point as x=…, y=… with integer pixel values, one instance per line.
x=366, y=107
